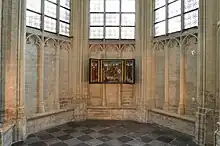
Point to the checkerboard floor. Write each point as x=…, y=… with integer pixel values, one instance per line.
x=108, y=133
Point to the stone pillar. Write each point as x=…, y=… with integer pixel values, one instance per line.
x=2, y=95
x=21, y=122
x=143, y=58
x=181, y=108
x=80, y=52
x=166, y=80
x=206, y=72
x=40, y=107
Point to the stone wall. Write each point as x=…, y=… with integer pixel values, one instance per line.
x=111, y=101
x=171, y=50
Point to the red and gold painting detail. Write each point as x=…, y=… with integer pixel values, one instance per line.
x=112, y=71
x=94, y=71
x=129, y=71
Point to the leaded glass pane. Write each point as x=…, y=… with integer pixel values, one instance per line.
x=159, y=3
x=54, y=1
x=49, y=24
x=64, y=15
x=96, y=33
x=160, y=28
x=127, y=32
x=190, y=5
x=174, y=9
x=128, y=19
x=96, y=5
x=64, y=29
x=191, y=19
x=170, y=1
x=112, y=5
x=128, y=5
x=174, y=24
x=65, y=3
x=160, y=14
x=112, y=19
x=96, y=19
x=34, y=5
x=33, y=19
x=112, y=32
x=50, y=9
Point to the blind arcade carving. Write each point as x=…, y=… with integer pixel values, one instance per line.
x=111, y=71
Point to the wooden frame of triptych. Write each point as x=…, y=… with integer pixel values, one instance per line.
x=111, y=71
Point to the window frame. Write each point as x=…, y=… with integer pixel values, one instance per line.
x=57, y=18
x=120, y=26
x=181, y=15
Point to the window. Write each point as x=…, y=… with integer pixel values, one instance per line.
x=174, y=15
x=112, y=19
x=49, y=15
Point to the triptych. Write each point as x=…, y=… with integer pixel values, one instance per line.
x=111, y=71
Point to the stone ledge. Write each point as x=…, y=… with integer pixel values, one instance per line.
x=173, y=115
x=6, y=127
x=42, y=115
x=106, y=107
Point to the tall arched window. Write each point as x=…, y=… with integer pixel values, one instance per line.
x=174, y=16
x=112, y=19
x=49, y=15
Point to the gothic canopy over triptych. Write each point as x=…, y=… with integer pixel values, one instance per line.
x=112, y=71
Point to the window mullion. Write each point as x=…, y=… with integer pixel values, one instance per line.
x=58, y=17
x=104, y=27
x=166, y=18
x=182, y=15
x=42, y=14
x=120, y=19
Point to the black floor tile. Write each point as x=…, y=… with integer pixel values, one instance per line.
x=146, y=139
x=59, y=144
x=165, y=139
x=65, y=137
x=125, y=139
x=85, y=138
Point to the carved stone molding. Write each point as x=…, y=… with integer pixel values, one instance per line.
x=111, y=48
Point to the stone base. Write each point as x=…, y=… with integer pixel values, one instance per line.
x=173, y=121
x=46, y=120
x=6, y=135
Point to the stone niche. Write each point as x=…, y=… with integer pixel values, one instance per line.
x=111, y=101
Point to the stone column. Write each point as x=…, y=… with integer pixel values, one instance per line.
x=2, y=96
x=181, y=108
x=80, y=52
x=206, y=72
x=166, y=80
x=143, y=58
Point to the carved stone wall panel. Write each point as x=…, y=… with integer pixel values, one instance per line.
x=174, y=72
x=65, y=99
x=99, y=114
x=159, y=70
x=127, y=97
x=31, y=74
x=49, y=74
x=111, y=94
x=95, y=98
x=190, y=46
